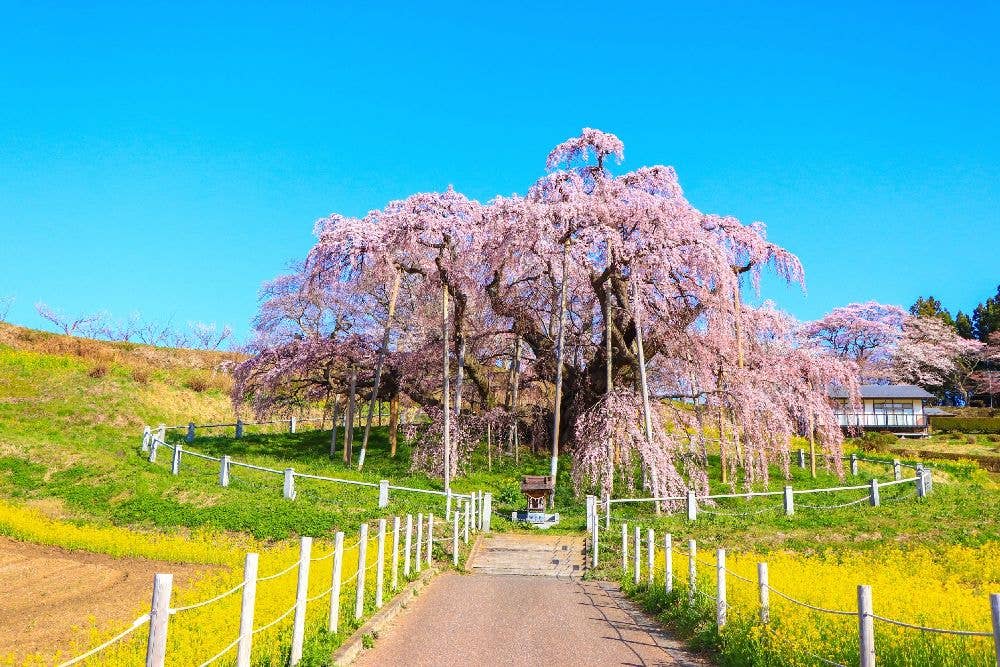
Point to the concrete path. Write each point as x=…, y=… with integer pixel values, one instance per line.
x=524, y=619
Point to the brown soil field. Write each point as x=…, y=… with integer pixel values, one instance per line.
x=48, y=595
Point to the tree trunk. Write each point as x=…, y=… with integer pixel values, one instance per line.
x=446, y=354
x=349, y=417
x=333, y=425
x=647, y=418
x=556, y=417
x=393, y=424
x=378, y=370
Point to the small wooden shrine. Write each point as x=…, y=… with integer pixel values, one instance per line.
x=538, y=490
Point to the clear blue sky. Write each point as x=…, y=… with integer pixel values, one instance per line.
x=168, y=158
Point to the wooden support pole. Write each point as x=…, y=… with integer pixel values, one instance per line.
x=175, y=464
x=465, y=529
x=420, y=542
x=624, y=548
x=866, y=627
x=560, y=344
x=359, y=595
x=349, y=415
x=247, y=610
x=190, y=433
x=408, y=545
x=337, y=581
x=159, y=617
x=594, y=544
x=720, y=588
x=854, y=464
x=395, y=553
x=789, y=501
x=288, y=488
x=764, y=591
x=430, y=539
x=446, y=392
x=454, y=541
x=668, y=563
x=380, y=567
x=636, y=555
x=995, y=618
x=301, y=593
x=487, y=512
x=224, y=470
x=383, y=493
x=897, y=472
x=873, y=494
x=692, y=505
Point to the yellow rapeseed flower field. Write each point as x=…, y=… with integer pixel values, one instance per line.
x=946, y=587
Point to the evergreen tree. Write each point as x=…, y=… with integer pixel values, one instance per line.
x=964, y=326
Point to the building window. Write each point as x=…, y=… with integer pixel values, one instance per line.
x=892, y=408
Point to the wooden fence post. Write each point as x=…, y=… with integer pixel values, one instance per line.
x=590, y=514
x=594, y=544
x=897, y=472
x=607, y=512
x=247, y=609
x=407, y=545
x=854, y=464
x=692, y=505
x=175, y=464
x=789, y=498
x=338, y=571
x=921, y=488
x=650, y=554
x=624, y=548
x=380, y=567
x=487, y=512
x=159, y=616
x=430, y=539
x=359, y=597
x=447, y=504
x=395, y=552
x=866, y=626
x=873, y=494
x=153, y=445
x=239, y=429
x=454, y=541
x=190, y=434
x=301, y=593
x=383, y=493
x=802, y=458
x=995, y=618
x=692, y=570
x=668, y=563
x=765, y=593
x=288, y=489
x=472, y=510
x=292, y=423
x=720, y=588
x=636, y=554
x=419, y=552
x=468, y=510
x=147, y=435
x=224, y=470
x=928, y=480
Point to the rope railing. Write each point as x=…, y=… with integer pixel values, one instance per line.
x=372, y=554
x=864, y=612
x=136, y=624
x=151, y=441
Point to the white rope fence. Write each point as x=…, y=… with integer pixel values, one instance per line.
x=372, y=553
x=640, y=541
x=697, y=504
x=153, y=439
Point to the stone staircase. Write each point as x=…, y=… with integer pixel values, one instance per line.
x=529, y=555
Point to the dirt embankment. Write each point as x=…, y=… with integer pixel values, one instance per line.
x=49, y=593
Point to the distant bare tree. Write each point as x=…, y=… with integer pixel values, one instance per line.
x=69, y=325
x=5, y=304
x=207, y=336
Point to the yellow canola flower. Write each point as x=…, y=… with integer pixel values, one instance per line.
x=946, y=587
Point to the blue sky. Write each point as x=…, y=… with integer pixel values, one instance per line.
x=168, y=158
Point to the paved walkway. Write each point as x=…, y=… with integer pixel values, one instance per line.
x=524, y=619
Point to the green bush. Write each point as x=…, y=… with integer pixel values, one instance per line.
x=876, y=441
x=967, y=424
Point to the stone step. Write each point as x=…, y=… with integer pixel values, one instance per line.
x=529, y=555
